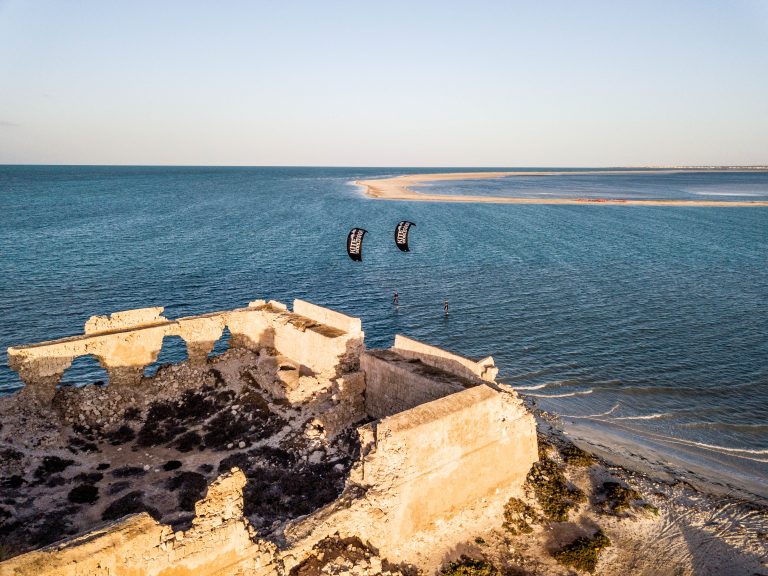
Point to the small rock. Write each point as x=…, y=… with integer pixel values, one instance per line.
x=230, y=446
x=316, y=457
x=147, y=467
x=241, y=444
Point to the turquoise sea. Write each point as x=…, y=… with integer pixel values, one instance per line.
x=649, y=322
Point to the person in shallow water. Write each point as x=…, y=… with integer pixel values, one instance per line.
x=445, y=307
x=396, y=298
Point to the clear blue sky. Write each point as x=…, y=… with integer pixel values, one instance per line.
x=473, y=83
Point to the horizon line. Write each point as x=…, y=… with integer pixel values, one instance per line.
x=536, y=166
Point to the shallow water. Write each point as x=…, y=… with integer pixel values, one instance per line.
x=719, y=186
x=646, y=317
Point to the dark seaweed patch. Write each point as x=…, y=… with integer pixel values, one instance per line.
x=466, y=566
x=275, y=456
x=128, y=472
x=121, y=435
x=88, y=477
x=118, y=487
x=166, y=420
x=555, y=496
x=277, y=494
x=187, y=441
x=54, y=527
x=52, y=465
x=55, y=480
x=238, y=460
x=131, y=503
x=583, y=553
x=83, y=494
x=191, y=487
x=13, y=482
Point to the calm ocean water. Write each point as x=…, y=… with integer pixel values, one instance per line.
x=642, y=319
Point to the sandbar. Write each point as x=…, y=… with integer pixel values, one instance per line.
x=400, y=188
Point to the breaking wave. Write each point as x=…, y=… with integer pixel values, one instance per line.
x=566, y=395
x=738, y=452
x=726, y=426
x=644, y=417
x=606, y=413
x=537, y=387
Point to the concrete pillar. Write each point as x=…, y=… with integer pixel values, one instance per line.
x=40, y=377
x=124, y=376
x=198, y=350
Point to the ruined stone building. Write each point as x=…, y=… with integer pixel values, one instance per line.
x=243, y=463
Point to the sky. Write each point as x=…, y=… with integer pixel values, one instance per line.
x=395, y=83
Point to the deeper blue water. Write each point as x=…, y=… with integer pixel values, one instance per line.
x=647, y=318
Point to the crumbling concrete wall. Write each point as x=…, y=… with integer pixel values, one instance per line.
x=219, y=542
x=392, y=385
x=443, y=455
x=328, y=317
x=462, y=455
x=126, y=342
x=484, y=369
x=398, y=379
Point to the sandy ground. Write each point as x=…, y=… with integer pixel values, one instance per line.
x=398, y=188
x=680, y=531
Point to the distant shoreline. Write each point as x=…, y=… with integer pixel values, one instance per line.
x=399, y=188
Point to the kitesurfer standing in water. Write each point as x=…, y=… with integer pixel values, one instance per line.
x=396, y=299
x=445, y=307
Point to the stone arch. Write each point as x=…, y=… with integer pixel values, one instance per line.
x=173, y=351
x=223, y=344
x=200, y=334
x=84, y=370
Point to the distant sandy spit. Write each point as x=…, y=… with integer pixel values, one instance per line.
x=398, y=188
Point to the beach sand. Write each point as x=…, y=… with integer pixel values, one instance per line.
x=399, y=188
x=684, y=531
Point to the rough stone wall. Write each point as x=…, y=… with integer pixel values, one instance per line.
x=448, y=453
x=219, y=542
x=484, y=369
x=328, y=317
x=462, y=455
x=125, y=319
x=348, y=403
x=126, y=342
x=392, y=387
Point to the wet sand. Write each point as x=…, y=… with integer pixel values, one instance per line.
x=399, y=188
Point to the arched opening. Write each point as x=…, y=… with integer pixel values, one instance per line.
x=174, y=350
x=84, y=370
x=222, y=344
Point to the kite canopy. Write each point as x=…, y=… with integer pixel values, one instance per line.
x=401, y=235
x=355, y=244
